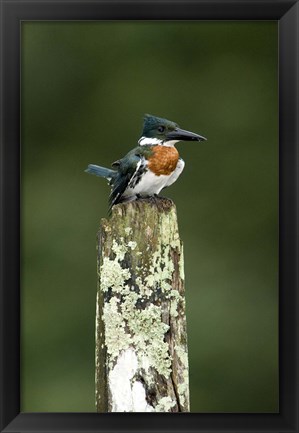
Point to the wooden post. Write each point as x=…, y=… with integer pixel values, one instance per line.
x=141, y=339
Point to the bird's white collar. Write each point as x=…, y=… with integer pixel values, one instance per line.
x=148, y=141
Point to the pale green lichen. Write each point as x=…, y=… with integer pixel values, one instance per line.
x=159, y=356
x=183, y=385
x=145, y=290
x=182, y=354
x=147, y=332
x=183, y=388
x=116, y=337
x=119, y=250
x=151, y=280
x=132, y=245
x=175, y=299
x=174, y=308
x=113, y=276
x=161, y=269
x=128, y=230
x=169, y=234
x=165, y=404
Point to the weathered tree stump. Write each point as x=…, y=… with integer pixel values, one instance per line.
x=141, y=339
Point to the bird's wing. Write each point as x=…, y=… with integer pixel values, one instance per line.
x=128, y=168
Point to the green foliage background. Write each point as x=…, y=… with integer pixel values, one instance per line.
x=85, y=88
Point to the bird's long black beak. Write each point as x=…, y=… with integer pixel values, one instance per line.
x=181, y=134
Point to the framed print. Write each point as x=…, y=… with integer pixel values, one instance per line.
x=78, y=78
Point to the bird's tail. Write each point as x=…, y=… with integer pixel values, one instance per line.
x=107, y=173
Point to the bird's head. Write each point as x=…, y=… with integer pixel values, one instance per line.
x=162, y=131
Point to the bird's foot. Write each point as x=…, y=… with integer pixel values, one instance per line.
x=153, y=198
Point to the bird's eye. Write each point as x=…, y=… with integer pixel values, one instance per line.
x=161, y=128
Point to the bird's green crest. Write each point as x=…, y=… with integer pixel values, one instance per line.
x=157, y=127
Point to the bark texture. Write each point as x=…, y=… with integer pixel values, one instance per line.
x=141, y=339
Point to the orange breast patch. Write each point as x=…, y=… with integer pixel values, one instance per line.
x=163, y=160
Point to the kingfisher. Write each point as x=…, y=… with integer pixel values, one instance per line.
x=151, y=166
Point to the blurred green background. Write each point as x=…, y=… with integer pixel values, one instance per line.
x=85, y=88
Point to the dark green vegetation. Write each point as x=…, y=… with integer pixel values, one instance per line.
x=85, y=88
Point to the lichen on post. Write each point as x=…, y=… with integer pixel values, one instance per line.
x=141, y=339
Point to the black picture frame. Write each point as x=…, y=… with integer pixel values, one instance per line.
x=286, y=12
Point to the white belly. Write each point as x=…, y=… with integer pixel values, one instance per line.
x=149, y=184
